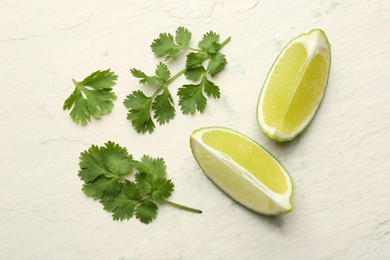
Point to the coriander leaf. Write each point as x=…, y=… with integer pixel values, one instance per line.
x=80, y=112
x=156, y=188
x=100, y=102
x=92, y=97
x=195, y=59
x=211, y=89
x=183, y=36
x=163, y=107
x=172, y=54
x=163, y=189
x=216, y=63
x=162, y=72
x=191, y=98
x=123, y=206
x=102, y=187
x=100, y=80
x=195, y=73
x=139, y=106
x=136, y=100
x=110, y=160
x=146, y=211
x=144, y=183
x=209, y=42
x=164, y=45
x=144, y=79
x=152, y=166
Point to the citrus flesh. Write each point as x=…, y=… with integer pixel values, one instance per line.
x=295, y=86
x=243, y=169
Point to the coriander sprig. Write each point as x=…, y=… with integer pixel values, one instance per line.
x=105, y=172
x=202, y=63
x=92, y=97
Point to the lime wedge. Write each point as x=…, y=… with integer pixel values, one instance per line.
x=294, y=86
x=243, y=169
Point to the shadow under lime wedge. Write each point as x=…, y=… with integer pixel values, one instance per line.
x=295, y=86
x=243, y=169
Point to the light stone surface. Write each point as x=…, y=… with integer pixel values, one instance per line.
x=340, y=165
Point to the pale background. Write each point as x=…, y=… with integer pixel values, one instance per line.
x=340, y=165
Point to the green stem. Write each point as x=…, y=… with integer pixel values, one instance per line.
x=197, y=50
x=169, y=81
x=222, y=45
x=225, y=42
x=179, y=206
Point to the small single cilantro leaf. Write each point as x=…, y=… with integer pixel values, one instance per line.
x=216, y=63
x=102, y=187
x=146, y=211
x=191, y=99
x=92, y=97
x=124, y=204
x=209, y=42
x=162, y=72
x=139, y=105
x=136, y=100
x=145, y=182
x=211, y=89
x=100, y=80
x=100, y=102
x=183, y=36
x=144, y=79
x=195, y=73
x=109, y=160
x=195, y=59
x=79, y=108
x=163, y=189
x=152, y=166
x=163, y=107
x=163, y=44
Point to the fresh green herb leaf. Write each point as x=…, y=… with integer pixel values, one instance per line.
x=216, y=63
x=162, y=72
x=191, y=99
x=92, y=97
x=191, y=96
x=144, y=79
x=105, y=172
x=195, y=73
x=146, y=211
x=163, y=107
x=195, y=59
x=210, y=43
x=139, y=105
x=163, y=190
x=211, y=89
x=102, y=187
x=153, y=166
x=183, y=36
x=163, y=45
x=125, y=203
x=110, y=161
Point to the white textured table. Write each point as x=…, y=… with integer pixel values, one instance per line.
x=340, y=165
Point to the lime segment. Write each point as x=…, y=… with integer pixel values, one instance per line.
x=295, y=86
x=243, y=169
